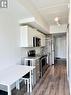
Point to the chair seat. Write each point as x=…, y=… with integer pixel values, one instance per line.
x=3, y=92
x=27, y=75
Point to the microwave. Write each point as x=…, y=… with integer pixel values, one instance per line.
x=31, y=53
x=36, y=42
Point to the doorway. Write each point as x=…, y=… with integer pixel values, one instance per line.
x=61, y=51
x=60, y=47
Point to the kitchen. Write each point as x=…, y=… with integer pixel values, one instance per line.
x=17, y=45
x=34, y=42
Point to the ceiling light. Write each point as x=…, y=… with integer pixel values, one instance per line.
x=56, y=19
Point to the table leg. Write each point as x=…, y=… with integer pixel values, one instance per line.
x=30, y=84
x=9, y=90
x=17, y=85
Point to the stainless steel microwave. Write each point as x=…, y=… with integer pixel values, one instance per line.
x=36, y=42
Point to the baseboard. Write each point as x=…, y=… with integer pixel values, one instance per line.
x=69, y=85
x=57, y=58
x=70, y=88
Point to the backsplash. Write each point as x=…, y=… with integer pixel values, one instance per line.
x=25, y=50
x=47, y=48
x=44, y=50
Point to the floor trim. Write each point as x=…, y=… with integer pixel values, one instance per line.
x=69, y=85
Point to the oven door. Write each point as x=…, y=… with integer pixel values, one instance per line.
x=43, y=65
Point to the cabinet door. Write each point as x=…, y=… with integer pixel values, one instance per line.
x=42, y=36
x=26, y=36
x=37, y=70
x=30, y=36
x=23, y=36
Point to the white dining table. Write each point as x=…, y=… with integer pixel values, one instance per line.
x=14, y=73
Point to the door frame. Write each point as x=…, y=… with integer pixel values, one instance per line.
x=67, y=55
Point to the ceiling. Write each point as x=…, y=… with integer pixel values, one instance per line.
x=49, y=9
x=18, y=10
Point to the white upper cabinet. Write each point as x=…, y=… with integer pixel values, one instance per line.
x=42, y=39
x=26, y=36
x=41, y=36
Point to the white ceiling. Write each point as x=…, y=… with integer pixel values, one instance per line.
x=17, y=9
x=50, y=9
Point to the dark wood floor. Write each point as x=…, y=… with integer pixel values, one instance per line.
x=54, y=82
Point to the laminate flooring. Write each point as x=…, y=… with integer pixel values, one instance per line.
x=54, y=82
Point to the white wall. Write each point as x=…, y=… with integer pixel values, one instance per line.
x=70, y=48
x=60, y=47
x=58, y=29
x=9, y=37
x=10, y=52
